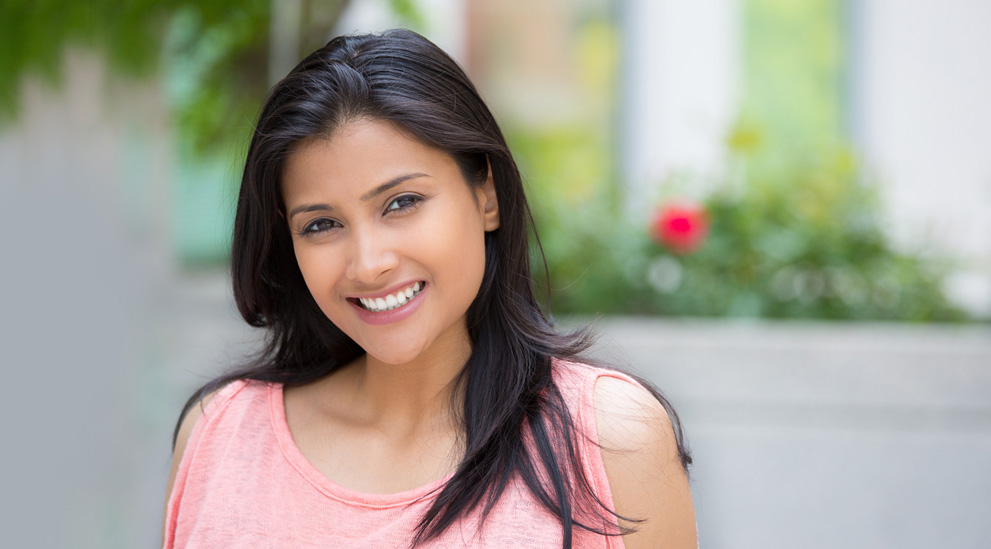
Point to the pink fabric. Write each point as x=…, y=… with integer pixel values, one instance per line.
x=242, y=482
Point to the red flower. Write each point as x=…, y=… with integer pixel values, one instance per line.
x=680, y=227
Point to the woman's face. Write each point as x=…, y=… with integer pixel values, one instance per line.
x=389, y=238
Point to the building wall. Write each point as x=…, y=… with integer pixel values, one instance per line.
x=922, y=87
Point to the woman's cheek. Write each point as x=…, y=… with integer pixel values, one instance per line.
x=317, y=272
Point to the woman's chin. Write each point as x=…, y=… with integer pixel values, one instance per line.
x=395, y=356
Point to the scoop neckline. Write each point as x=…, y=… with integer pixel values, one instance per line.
x=322, y=482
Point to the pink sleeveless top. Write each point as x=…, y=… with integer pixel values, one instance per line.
x=242, y=482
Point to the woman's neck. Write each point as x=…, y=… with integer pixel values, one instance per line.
x=409, y=397
x=382, y=428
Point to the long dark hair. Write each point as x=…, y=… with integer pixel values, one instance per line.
x=508, y=392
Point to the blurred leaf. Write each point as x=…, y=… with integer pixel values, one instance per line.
x=214, y=54
x=744, y=137
x=409, y=13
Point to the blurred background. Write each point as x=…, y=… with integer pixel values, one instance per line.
x=779, y=211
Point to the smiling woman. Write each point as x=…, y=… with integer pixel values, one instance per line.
x=412, y=393
x=421, y=232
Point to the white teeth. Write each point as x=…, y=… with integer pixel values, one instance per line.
x=390, y=302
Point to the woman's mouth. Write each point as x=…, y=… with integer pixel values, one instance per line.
x=392, y=301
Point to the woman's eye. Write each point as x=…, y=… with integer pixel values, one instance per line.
x=318, y=226
x=403, y=203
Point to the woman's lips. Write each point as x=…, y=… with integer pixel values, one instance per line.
x=389, y=316
x=392, y=300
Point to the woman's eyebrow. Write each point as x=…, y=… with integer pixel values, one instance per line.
x=303, y=208
x=390, y=184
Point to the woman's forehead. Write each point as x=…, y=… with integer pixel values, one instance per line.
x=357, y=158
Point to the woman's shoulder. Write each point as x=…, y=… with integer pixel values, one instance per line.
x=614, y=408
x=221, y=397
x=620, y=403
x=206, y=408
x=606, y=384
x=239, y=392
x=640, y=453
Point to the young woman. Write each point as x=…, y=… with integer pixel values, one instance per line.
x=412, y=392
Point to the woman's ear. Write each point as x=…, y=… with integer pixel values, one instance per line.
x=488, y=200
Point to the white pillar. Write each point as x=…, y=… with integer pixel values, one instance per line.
x=680, y=90
x=922, y=88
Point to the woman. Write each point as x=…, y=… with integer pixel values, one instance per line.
x=412, y=392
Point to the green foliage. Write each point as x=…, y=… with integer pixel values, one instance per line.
x=34, y=34
x=221, y=43
x=805, y=243
x=216, y=74
x=575, y=215
x=794, y=78
x=409, y=13
x=213, y=55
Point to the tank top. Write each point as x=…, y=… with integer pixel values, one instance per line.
x=242, y=482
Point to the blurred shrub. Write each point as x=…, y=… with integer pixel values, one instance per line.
x=212, y=56
x=802, y=242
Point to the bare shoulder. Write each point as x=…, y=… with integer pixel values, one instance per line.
x=640, y=455
x=627, y=415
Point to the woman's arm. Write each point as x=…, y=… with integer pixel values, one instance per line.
x=642, y=464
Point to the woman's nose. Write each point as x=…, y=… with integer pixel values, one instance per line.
x=371, y=257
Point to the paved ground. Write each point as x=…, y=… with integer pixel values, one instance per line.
x=805, y=435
